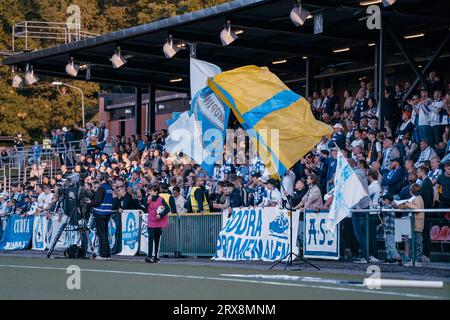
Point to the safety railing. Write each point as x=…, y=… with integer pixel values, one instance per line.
x=409, y=230
x=191, y=234
x=18, y=165
x=53, y=32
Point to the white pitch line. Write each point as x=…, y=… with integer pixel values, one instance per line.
x=389, y=293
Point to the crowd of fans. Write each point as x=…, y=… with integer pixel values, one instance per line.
x=408, y=158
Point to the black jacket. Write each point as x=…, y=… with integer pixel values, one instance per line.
x=427, y=193
x=236, y=199
x=128, y=203
x=297, y=197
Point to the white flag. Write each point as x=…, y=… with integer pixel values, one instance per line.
x=187, y=130
x=184, y=135
x=348, y=192
x=200, y=72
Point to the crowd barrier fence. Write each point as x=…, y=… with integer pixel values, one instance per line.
x=196, y=234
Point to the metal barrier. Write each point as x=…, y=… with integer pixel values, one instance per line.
x=170, y=239
x=407, y=212
x=191, y=234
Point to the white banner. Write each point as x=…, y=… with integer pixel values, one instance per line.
x=256, y=234
x=69, y=236
x=130, y=232
x=319, y=242
x=143, y=241
x=40, y=229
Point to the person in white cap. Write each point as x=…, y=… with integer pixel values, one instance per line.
x=338, y=137
x=272, y=197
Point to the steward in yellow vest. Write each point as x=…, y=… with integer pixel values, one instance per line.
x=198, y=201
x=167, y=196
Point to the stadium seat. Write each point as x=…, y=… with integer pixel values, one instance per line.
x=434, y=232
x=444, y=234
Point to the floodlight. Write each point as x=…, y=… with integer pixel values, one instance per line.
x=117, y=59
x=72, y=68
x=169, y=48
x=30, y=77
x=227, y=35
x=299, y=15
x=17, y=81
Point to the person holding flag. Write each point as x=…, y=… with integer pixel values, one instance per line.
x=350, y=192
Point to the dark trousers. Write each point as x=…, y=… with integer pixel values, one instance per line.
x=348, y=240
x=428, y=222
x=154, y=234
x=101, y=221
x=374, y=221
x=437, y=134
x=360, y=231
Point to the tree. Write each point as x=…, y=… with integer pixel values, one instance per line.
x=34, y=111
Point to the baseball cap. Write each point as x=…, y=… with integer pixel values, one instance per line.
x=65, y=129
x=423, y=88
x=338, y=126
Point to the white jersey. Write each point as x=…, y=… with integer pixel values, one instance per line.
x=272, y=196
x=424, y=113
x=33, y=209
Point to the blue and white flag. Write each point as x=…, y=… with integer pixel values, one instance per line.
x=200, y=132
x=348, y=192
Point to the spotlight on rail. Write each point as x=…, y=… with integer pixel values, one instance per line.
x=17, y=81
x=72, y=68
x=227, y=35
x=30, y=77
x=169, y=48
x=117, y=59
x=299, y=15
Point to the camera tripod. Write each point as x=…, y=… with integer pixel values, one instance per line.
x=71, y=223
x=291, y=256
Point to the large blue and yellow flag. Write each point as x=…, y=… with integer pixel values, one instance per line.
x=279, y=121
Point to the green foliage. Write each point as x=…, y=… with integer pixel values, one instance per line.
x=36, y=110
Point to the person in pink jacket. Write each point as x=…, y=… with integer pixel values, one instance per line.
x=157, y=219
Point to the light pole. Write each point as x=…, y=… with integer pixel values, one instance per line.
x=58, y=83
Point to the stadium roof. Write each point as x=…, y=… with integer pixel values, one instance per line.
x=268, y=35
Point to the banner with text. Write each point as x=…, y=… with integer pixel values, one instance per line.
x=256, y=234
x=40, y=229
x=18, y=233
x=130, y=232
x=319, y=241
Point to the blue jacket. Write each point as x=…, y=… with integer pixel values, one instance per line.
x=393, y=180
x=103, y=203
x=331, y=163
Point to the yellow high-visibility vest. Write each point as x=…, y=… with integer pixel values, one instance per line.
x=166, y=198
x=194, y=202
